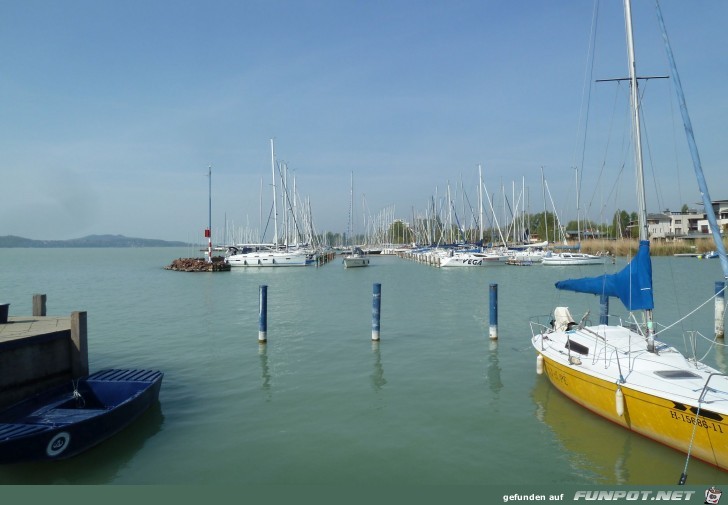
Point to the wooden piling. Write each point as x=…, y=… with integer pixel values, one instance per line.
x=39, y=305
x=603, y=309
x=79, y=341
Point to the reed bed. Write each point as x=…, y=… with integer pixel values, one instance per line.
x=628, y=247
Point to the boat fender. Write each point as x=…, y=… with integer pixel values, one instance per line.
x=539, y=364
x=619, y=402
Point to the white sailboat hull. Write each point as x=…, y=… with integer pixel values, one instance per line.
x=566, y=259
x=270, y=259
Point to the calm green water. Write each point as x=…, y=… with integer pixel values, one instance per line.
x=435, y=402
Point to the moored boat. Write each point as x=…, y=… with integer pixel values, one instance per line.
x=622, y=371
x=357, y=258
x=572, y=259
x=261, y=255
x=67, y=420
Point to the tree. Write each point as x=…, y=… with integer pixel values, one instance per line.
x=620, y=224
x=400, y=233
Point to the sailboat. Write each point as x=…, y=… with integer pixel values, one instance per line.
x=578, y=258
x=624, y=373
x=356, y=257
x=268, y=255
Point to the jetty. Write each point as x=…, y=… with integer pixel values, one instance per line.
x=38, y=352
x=199, y=265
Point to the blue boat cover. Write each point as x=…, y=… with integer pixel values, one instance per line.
x=632, y=285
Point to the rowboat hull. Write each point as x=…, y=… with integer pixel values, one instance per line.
x=69, y=420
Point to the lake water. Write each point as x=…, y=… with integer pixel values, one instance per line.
x=434, y=402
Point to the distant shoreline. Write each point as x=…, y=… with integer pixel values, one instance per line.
x=95, y=241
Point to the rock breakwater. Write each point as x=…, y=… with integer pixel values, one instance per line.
x=199, y=265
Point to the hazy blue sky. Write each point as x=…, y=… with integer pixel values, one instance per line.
x=112, y=111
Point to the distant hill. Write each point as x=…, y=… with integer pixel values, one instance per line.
x=89, y=241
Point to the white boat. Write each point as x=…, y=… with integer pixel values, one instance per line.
x=623, y=372
x=461, y=259
x=265, y=255
x=357, y=258
x=572, y=258
x=529, y=255
x=277, y=254
x=471, y=257
x=493, y=257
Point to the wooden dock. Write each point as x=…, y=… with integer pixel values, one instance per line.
x=38, y=352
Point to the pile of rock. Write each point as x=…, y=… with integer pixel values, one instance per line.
x=199, y=265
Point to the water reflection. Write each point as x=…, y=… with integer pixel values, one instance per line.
x=608, y=454
x=264, y=368
x=493, y=373
x=378, y=380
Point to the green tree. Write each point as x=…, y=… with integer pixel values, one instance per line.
x=400, y=233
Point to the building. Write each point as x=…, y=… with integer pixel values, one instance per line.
x=688, y=225
x=720, y=207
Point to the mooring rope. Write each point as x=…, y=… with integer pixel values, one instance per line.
x=684, y=475
x=691, y=313
x=80, y=402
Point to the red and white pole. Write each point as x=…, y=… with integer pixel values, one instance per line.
x=208, y=231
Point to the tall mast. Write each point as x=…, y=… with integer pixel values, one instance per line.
x=351, y=211
x=480, y=202
x=275, y=208
x=636, y=125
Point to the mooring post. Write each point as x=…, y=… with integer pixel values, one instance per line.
x=263, y=315
x=39, y=305
x=719, y=308
x=376, y=310
x=603, y=309
x=494, y=311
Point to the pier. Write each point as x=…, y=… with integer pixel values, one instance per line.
x=218, y=264
x=39, y=352
x=426, y=257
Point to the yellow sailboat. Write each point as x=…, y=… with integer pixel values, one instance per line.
x=624, y=372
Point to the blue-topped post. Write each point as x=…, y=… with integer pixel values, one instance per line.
x=376, y=310
x=719, y=308
x=603, y=309
x=263, y=315
x=494, y=311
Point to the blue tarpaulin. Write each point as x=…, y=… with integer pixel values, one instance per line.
x=632, y=285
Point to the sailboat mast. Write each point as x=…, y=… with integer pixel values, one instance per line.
x=275, y=209
x=697, y=165
x=636, y=125
x=351, y=211
x=480, y=202
x=641, y=199
x=578, y=225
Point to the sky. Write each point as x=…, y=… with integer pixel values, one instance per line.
x=112, y=113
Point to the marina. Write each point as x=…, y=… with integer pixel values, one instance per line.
x=434, y=401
